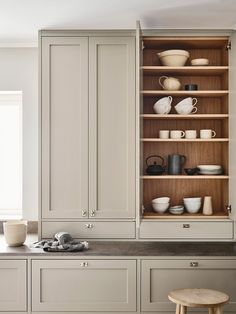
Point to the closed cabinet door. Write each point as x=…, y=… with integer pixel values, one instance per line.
x=84, y=285
x=160, y=277
x=13, y=285
x=64, y=101
x=112, y=127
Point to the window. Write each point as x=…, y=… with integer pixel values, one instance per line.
x=10, y=155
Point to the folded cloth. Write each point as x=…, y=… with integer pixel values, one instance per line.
x=62, y=242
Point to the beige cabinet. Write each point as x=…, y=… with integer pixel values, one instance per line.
x=87, y=127
x=84, y=285
x=159, y=277
x=13, y=285
x=64, y=101
x=112, y=127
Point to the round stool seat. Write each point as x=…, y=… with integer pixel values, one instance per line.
x=198, y=297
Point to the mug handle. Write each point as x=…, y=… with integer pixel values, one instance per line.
x=194, y=102
x=194, y=110
x=182, y=134
x=183, y=159
x=170, y=99
x=165, y=77
x=213, y=133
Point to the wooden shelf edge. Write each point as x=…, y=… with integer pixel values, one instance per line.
x=184, y=117
x=153, y=215
x=184, y=140
x=185, y=177
x=192, y=70
x=200, y=93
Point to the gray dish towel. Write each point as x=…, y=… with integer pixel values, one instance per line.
x=62, y=242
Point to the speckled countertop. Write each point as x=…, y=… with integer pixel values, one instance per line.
x=118, y=248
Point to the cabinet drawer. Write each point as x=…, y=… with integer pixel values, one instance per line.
x=84, y=285
x=186, y=229
x=13, y=285
x=91, y=229
x=160, y=277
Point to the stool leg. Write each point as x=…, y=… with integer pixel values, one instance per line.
x=183, y=309
x=177, y=311
x=218, y=310
x=211, y=310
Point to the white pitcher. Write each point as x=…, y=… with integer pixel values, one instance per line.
x=169, y=83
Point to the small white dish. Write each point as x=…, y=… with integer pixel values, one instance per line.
x=200, y=62
x=176, y=210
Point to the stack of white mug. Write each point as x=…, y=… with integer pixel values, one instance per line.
x=188, y=134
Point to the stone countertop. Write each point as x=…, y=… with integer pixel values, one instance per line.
x=129, y=249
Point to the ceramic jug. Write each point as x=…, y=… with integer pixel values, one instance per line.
x=169, y=83
x=175, y=164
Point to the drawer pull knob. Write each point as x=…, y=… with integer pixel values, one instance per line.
x=186, y=226
x=92, y=213
x=193, y=264
x=89, y=226
x=84, y=264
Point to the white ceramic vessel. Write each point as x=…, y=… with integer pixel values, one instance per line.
x=200, y=62
x=173, y=57
x=169, y=83
x=161, y=200
x=15, y=232
x=163, y=105
x=186, y=106
x=160, y=207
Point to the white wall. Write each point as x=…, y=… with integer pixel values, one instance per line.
x=19, y=71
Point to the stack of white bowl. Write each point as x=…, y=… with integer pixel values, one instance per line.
x=161, y=204
x=192, y=204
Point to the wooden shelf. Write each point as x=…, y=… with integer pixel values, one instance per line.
x=184, y=140
x=184, y=117
x=185, y=70
x=185, y=177
x=197, y=93
x=153, y=215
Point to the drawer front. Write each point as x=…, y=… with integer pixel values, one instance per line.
x=84, y=285
x=160, y=277
x=91, y=229
x=186, y=229
x=13, y=285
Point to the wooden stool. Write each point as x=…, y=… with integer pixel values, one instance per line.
x=211, y=299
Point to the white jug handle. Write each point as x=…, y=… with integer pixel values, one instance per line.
x=182, y=134
x=194, y=102
x=165, y=77
x=170, y=99
x=213, y=133
x=194, y=110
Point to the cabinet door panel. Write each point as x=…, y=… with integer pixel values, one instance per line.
x=67, y=285
x=112, y=126
x=64, y=127
x=161, y=277
x=13, y=285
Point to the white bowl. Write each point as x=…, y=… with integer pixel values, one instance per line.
x=209, y=167
x=192, y=199
x=192, y=207
x=160, y=208
x=176, y=210
x=173, y=57
x=15, y=232
x=200, y=61
x=161, y=200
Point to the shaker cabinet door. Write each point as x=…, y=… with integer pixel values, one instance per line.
x=64, y=101
x=84, y=285
x=112, y=127
x=159, y=277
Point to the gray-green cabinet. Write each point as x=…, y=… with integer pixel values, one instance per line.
x=84, y=285
x=87, y=99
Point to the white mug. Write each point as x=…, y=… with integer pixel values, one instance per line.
x=163, y=105
x=207, y=133
x=164, y=134
x=187, y=106
x=190, y=134
x=177, y=134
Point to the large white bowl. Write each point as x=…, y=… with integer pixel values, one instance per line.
x=161, y=200
x=160, y=208
x=192, y=207
x=15, y=232
x=173, y=57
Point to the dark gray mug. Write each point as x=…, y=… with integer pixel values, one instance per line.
x=175, y=164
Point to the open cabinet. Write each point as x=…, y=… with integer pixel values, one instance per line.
x=214, y=103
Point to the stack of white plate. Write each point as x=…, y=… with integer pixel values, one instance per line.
x=210, y=169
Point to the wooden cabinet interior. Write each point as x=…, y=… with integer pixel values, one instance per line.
x=212, y=113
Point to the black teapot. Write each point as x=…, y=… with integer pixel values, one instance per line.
x=154, y=169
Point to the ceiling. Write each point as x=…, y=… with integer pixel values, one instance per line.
x=21, y=20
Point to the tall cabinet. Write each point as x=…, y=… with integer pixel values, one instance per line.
x=87, y=144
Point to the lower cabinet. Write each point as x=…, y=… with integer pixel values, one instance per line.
x=159, y=277
x=13, y=285
x=84, y=285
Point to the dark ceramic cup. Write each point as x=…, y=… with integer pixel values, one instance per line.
x=191, y=87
